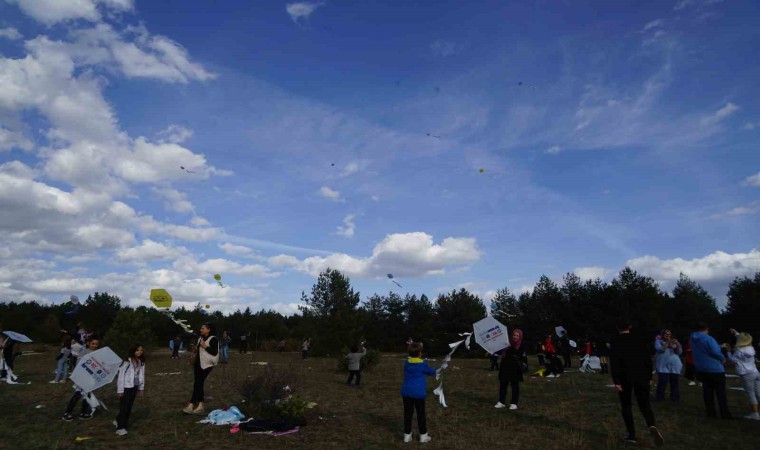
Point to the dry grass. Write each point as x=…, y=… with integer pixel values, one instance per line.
x=576, y=411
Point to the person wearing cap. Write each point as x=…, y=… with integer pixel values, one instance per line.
x=709, y=361
x=743, y=356
x=668, y=365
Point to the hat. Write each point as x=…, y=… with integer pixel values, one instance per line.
x=743, y=340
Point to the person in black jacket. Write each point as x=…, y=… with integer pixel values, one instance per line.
x=514, y=361
x=631, y=368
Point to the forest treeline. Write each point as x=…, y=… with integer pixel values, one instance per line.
x=334, y=315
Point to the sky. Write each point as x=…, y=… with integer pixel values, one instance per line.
x=153, y=144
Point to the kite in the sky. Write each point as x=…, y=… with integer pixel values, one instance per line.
x=162, y=299
x=186, y=170
x=390, y=277
x=433, y=135
x=218, y=279
x=74, y=301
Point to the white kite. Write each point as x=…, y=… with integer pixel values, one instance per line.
x=95, y=370
x=490, y=334
x=560, y=330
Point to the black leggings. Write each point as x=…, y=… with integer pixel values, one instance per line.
x=125, y=407
x=410, y=404
x=352, y=374
x=200, y=378
x=73, y=403
x=641, y=390
x=515, y=391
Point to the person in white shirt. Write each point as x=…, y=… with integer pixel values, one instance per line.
x=743, y=356
x=130, y=383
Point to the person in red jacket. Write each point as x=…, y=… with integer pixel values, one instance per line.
x=549, y=346
x=690, y=373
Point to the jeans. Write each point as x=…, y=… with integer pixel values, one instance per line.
x=714, y=385
x=411, y=404
x=62, y=370
x=641, y=390
x=663, y=379
x=225, y=353
x=503, y=391
x=352, y=374
x=125, y=407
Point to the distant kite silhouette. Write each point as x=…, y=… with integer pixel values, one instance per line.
x=188, y=171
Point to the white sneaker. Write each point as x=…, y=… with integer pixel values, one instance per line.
x=116, y=424
x=408, y=437
x=425, y=438
x=692, y=383
x=512, y=407
x=53, y=382
x=550, y=376
x=499, y=405
x=121, y=432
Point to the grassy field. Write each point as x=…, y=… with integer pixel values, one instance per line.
x=573, y=412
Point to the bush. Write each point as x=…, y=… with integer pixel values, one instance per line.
x=129, y=327
x=370, y=360
x=272, y=394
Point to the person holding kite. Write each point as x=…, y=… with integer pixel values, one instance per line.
x=92, y=344
x=514, y=362
x=204, y=358
x=414, y=391
x=130, y=383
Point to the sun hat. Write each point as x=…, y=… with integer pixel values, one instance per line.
x=743, y=340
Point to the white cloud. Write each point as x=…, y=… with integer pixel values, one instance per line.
x=239, y=250
x=147, y=251
x=175, y=134
x=50, y=12
x=174, y=200
x=718, y=266
x=301, y=11
x=348, y=228
x=682, y=4
x=752, y=208
x=553, y=150
x=402, y=254
x=13, y=139
x=189, y=265
x=753, y=180
x=330, y=194
x=720, y=114
x=375, y=198
x=444, y=48
x=592, y=272
x=199, y=221
x=10, y=33
x=653, y=24
x=148, y=224
x=283, y=261
x=751, y=125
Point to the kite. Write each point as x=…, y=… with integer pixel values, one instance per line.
x=93, y=371
x=208, y=306
x=162, y=299
x=18, y=337
x=218, y=279
x=75, y=301
x=10, y=377
x=491, y=334
x=390, y=277
x=186, y=170
x=445, y=364
x=560, y=330
x=433, y=135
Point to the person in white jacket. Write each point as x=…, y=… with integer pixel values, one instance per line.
x=743, y=356
x=130, y=383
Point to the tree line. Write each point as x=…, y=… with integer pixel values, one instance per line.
x=333, y=315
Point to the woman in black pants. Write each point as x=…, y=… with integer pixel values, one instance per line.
x=513, y=363
x=206, y=356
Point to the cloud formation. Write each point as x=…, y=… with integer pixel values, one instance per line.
x=301, y=11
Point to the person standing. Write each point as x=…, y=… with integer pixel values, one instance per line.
x=62, y=368
x=281, y=346
x=690, y=373
x=514, y=361
x=743, y=356
x=226, y=339
x=709, y=361
x=205, y=357
x=355, y=364
x=564, y=342
x=244, y=343
x=631, y=369
x=549, y=346
x=305, y=348
x=668, y=365
x=93, y=344
x=414, y=391
x=176, y=345
x=129, y=384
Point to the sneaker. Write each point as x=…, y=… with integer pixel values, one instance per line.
x=62, y=381
x=658, y=440
x=408, y=437
x=188, y=409
x=512, y=407
x=499, y=405
x=199, y=410
x=53, y=382
x=67, y=417
x=425, y=438
x=85, y=415
x=550, y=375
x=116, y=424
x=121, y=432
x=692, y=383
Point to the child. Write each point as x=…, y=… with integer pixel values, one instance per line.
x=413, y=392
x=743, y=355
x=226, y=339
x=354, y=364
x=92, y=345
x=305, y=348
x=131, y=381
x=62, y=369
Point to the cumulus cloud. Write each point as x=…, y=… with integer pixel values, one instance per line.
x=239, y=250
x=175, y=134
x=720, y=114
x=301, y=11
x=10, y=140
x=553, y=150
x=718, y=266
x=189, y=265
x=10, y=33
x=348, y=228
x=592, y=272
x=753, y=180
x=148, y=251
x=403, y=254
x=51, y=12
x=752, y=208
x=148, y=224
x=330, y=194
x=174, y=200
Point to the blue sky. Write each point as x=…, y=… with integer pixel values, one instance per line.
x=453, y=144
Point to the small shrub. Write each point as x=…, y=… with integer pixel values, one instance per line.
x=370, y=360
x=272, y=394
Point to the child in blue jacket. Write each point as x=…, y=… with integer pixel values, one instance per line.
x=414, y=390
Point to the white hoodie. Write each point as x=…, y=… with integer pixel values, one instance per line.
x=744, y=358
x=127, y=377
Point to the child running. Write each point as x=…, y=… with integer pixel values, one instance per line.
x=131, y=382
x=92, y=344
x=414, y=390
